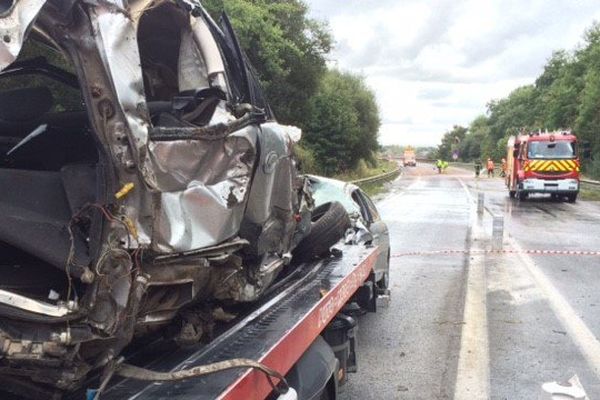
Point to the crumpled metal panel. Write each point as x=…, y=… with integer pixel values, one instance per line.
x=15, y=24
x=268, y=221
x=117, y=36
x=205, y=189
x=198, y=186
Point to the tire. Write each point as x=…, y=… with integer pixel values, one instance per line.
x=329, y=222
x=512, y=194
x=572, y=198
x=384, y=282
x=523, y=196
x=325, y=394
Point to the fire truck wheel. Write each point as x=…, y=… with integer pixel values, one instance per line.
x=523, y=196
x=572, y=198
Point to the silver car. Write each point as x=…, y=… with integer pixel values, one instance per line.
x=146, y=183
x=364, y=215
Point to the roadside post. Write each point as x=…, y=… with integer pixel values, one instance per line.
x=497, y=233
x=480, y=202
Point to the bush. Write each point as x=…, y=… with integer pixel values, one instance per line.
x=307, y=162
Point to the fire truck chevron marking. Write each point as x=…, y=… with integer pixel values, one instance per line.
x=552, y=165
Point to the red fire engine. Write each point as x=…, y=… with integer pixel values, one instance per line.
x=543, y=163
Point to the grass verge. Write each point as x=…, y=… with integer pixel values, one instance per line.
x=589, y=195
x=363, y=170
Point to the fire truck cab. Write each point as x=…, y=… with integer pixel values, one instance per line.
x=543, y=163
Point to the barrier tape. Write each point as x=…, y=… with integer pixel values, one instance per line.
x=480, y=252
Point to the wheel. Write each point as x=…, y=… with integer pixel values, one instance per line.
x=523, y=196
x=512, y=194
x=555, y=196
x=325, y=394
x=329, y=222
x=384, y=282
x=572, y=198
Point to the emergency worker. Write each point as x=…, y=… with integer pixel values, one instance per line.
x=490, y=168
x=444, y=165
x=478, y=167
x=504, y=168
x=439, y=164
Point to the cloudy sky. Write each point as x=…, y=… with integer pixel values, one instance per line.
x=434, y=64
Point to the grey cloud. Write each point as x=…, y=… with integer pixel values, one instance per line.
x=383, y=50
x=434, y=93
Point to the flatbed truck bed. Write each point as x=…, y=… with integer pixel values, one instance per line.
x=278, y=333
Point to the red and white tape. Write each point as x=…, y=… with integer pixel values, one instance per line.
x=477, y=252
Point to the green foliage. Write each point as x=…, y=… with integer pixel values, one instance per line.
x=285, y=46
x=337, y=111
x=342, y=122
x=307, y=162
x=565, y=95
x=451, y=142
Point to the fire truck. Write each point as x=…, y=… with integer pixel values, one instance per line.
x=543, y=163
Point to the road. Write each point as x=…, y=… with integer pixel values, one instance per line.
x=472, y=324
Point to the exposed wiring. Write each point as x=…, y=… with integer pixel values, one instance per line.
x=76, y=218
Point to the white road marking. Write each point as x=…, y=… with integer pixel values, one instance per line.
x=473, y=374
x=578, y=331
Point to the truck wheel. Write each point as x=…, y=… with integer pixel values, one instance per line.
x=572, y=198
x=523, y=196
x=329, y=222
x=512, y=194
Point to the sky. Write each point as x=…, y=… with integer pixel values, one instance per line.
x=436, y=64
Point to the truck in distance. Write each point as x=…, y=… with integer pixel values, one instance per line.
x=409, y=158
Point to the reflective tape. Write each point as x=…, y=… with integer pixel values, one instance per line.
x=504, y=251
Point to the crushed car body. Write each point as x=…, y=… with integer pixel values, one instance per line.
x=144, y=182
x=367, y=226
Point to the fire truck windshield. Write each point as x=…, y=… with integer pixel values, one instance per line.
x=551, y=150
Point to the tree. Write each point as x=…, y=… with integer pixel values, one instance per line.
x=472, y=146
x=451, y=141
x=342, y=122
x=286, y=47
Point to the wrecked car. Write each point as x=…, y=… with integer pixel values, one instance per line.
x=367, y=227
x=144, y=182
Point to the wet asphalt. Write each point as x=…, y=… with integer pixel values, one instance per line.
x=541, y=312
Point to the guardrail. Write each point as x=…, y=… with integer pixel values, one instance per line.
x=376, y=178
x=590, y=184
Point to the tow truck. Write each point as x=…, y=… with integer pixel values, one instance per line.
x=304, y=329
x=543, y=163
